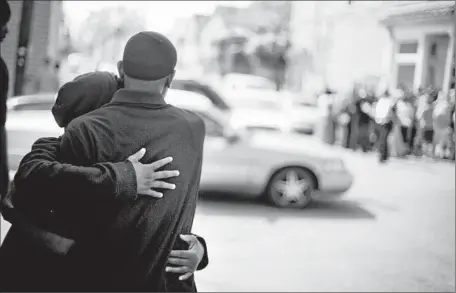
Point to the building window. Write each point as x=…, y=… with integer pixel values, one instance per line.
x=406, y=75
x=408, y=48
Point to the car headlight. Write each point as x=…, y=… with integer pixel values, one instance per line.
x=334, y=166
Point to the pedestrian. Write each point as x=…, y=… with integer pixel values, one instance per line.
x=345, y=120
x=327, y=129
x=5, y=15
x=132, y=250
x=425, y=134
x=442, y=123
x=384, y=121
x=40, y=170
x=406, y=118
x=363, y=112
x=47, y=80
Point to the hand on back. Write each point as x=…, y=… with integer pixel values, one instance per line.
x=148, y=179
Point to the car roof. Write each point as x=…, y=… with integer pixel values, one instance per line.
x=178, y=98
x=187, y=100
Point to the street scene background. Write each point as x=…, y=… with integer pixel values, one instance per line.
x=392, y=232
x=293, y=81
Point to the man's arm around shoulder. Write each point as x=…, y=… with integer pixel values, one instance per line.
x=41, y=170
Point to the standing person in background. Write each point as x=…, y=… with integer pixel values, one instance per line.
x=363, y=109
x=384, y=122
x=354, y=123
x=346, y=117
x=425, y=134
x=47, y=80
x=442, y=121
x=327, y=124
x=406, y=118
x=397, y=145
x=421, y=102
x=5, y=15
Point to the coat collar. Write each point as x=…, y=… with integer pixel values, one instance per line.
x=138, y=97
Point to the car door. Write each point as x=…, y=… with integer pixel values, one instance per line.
x=225, y=165
x=23, y=128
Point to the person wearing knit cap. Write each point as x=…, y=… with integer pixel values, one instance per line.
x=132, y=245
x=40, y=170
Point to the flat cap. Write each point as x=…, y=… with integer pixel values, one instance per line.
x=149, y=56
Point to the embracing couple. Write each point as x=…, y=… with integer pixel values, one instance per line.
x=109, y=205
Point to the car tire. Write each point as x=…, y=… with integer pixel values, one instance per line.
x=300, y=184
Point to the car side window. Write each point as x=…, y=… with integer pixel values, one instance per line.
x=213, y=128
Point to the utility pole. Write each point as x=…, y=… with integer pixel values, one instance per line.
x=23, y=45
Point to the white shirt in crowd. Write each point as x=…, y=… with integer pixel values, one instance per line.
x=405, y=113
x=383, y=110
x=325, y=102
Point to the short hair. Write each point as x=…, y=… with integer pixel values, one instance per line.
x=5, y=12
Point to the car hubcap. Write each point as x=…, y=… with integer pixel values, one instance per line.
x=291, y=189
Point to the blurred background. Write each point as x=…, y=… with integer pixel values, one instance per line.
x=288, y=91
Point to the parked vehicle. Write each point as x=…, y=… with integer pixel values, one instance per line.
x=287, y=169
x=198, y=87
x=272, y=110
x=233, y=81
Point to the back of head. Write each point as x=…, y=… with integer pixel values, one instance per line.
x=84, y=94
x=149, y=62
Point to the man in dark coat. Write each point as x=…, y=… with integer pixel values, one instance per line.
x=40, y=170
x=128, y=246
x=5, y=15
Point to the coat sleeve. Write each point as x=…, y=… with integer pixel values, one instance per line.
x=205, y=261
x=40, y=170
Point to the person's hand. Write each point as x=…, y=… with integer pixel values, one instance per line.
x=147, y=178
x=187, y=261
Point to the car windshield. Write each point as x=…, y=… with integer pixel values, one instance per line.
x=249, y=82
x=255, y=104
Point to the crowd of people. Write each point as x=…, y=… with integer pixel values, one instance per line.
x=395, y=123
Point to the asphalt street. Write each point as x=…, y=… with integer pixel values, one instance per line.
x=393, y=231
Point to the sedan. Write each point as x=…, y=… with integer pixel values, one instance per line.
x=272, y=110
x=286, y=169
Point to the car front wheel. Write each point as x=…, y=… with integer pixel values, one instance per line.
x=291, y=187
